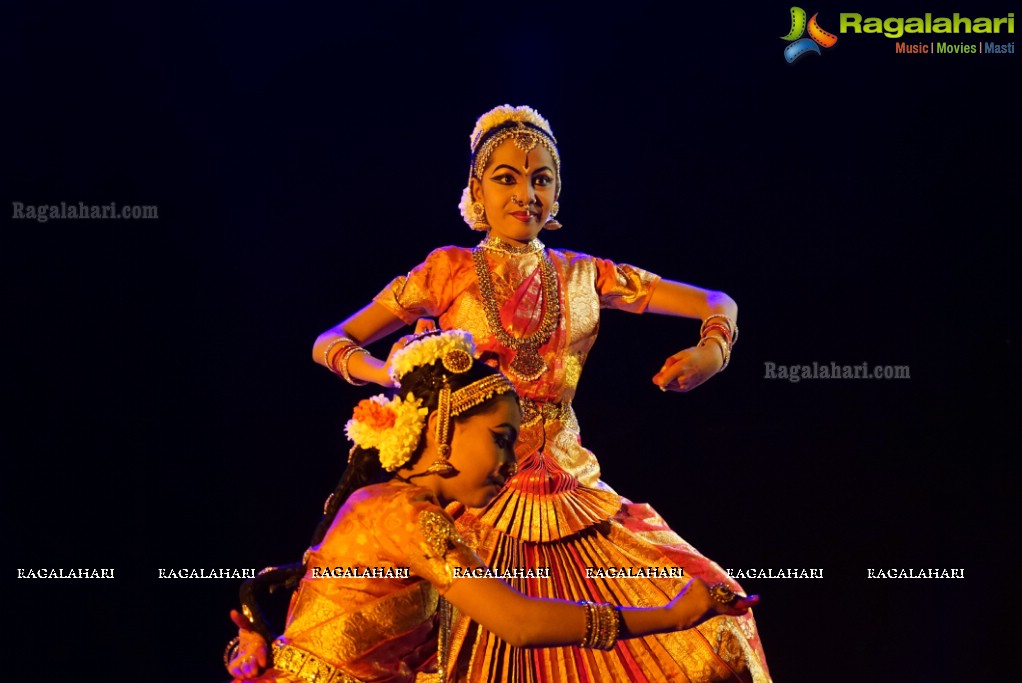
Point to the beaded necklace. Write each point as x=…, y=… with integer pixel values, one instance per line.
x=527, y=364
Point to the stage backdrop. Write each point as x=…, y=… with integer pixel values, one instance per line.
x=860, y=204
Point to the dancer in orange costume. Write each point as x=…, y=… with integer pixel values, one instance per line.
x=368, y=607
x=534, y=313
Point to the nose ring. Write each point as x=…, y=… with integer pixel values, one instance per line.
x=516, y=201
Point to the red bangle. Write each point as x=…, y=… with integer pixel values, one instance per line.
x=724, y=332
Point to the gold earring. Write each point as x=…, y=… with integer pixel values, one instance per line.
x=479, y=217
x=441, y=466
x=552, y=224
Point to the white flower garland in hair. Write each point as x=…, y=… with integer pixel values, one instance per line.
x=392, y=427
x=491, y=119
x=428, y=350
x=503, y=114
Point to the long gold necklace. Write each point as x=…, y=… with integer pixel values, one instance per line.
x=446, y=612
x=527, y=365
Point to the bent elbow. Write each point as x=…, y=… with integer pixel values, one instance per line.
x=718, y=300
x=518, y=633
x=317, y=349
x=517, y=636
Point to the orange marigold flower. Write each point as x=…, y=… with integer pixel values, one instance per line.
x=372, y=414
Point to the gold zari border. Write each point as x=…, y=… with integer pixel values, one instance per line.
x=307, y=666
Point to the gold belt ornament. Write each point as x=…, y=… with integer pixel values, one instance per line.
x=307, y=666
x=548, y=411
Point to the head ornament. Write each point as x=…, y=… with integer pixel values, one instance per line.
x=394, y=426
x=522, y=125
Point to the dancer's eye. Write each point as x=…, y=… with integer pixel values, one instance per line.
x=504, y=440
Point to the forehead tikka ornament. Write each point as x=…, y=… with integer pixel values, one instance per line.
x=525, y=137
x=452, y=404
x=525, y=140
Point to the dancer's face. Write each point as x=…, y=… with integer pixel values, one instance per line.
x=530, y=177
x=482, y=451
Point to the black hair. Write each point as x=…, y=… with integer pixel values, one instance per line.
x=364, y=468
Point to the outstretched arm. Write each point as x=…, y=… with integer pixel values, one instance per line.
x=690, y=367
x=364, y=327
x=523, y=621
x=686, y=301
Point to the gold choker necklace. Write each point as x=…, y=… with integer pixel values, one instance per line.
x=527, y=364
x=497, y=244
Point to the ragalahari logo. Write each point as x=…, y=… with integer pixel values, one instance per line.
x=800, y=46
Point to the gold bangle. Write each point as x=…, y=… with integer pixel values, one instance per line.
x=343, y=369
x=725, y=332
x=732, y=325
x=231, y=650
x=607, y=630
x=339, y=364
x=725, y=352
x=590, y=634
x=603, y=625
x=329, y=347
x=613, y=626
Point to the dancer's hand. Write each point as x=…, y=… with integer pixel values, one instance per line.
x=695, y=604
x=250, y=659
x=422, y=325
x=687, y=369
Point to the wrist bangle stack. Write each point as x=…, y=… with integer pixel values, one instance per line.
x=231, y=650
x=338, y=364
x=731, y=329
x=725, y=352
x=603, y=624
x=727, y=334
x=589, y=607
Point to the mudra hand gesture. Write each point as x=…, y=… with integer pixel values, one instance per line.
x=698, y=602
x=689, y=368
x=249, y=659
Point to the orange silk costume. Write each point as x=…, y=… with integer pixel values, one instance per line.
x=555, y=512
x=344, y=628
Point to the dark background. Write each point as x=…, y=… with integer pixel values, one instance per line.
x=857, y=205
